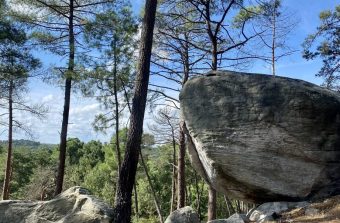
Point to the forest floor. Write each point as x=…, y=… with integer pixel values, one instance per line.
x=324, y=211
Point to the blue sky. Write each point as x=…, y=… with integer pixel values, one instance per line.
x=83, y=109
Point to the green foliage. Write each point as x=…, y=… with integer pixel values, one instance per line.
x=266, y=10
x=246, y=14
x=23, y=165
x=101, y=180
x=112, y=33
x=94, y=166
x=74, y=150
x=16, y=61
x=27, y=165
x=92, y=154
x=160, y=170
x=325, y=44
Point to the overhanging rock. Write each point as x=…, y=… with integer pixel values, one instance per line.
x=261, y=138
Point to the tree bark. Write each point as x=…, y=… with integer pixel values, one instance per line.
x=67, y=100
x=181, y=169
x=212, y=193
x=181, y=151
x=115, y=91
x=6, y=187
x=173, y=187
x=229, y=205
x=214, y=62
x=212, y=204
x=274, y=39
x=238, y=206
x=136, y=200
x=122, y=210
x=199, y=196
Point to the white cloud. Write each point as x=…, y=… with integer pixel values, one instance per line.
x=47, y=98
x=85, y=109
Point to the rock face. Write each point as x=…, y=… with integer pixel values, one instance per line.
x=261, y=139
x=73, y=206
x=183, y=215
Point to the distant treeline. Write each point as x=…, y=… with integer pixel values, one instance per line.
x=26, y=143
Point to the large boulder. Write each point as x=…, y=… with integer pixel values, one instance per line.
x=73, y=206
x=261, y=138
x=183, y=215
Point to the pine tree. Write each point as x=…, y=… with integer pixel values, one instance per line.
x=58, y=27
x=327, y=41
x=16, y=63
x=122, y=210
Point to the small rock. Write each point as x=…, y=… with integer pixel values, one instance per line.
x=183, y=215
x=271, y=211
x=235, y=218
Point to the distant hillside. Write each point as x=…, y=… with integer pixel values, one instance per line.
x=26, y=143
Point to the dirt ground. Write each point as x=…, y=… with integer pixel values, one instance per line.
x=323, y=211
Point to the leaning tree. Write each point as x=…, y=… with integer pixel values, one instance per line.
x=122, y=209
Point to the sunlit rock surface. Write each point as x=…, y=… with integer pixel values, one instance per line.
x=72, y=206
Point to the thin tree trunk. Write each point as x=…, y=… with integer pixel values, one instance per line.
x=238, y=206
x=6, y=187
x=115, y=89
x=122, y=210
x=182, y=145
x=67, y=100
x=181, y=170
x=173, y=187
x=274, y=39
x=136, y=200
x=214, y=55
x=228, y=208
x=198, y=201
x=212, y=193
x=152, y=188
x=212, y=204
x=229, y=205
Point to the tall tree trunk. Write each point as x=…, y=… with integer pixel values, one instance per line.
x=181, y=169
x=115, y=89
x=115, y=92
x=122, y=210
x=67, y=100
x=6, y=187
x=182, y=145
x=173, y=187
x=274, y=39
x=153, y=192
x=212, y=204
x=212, y=193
